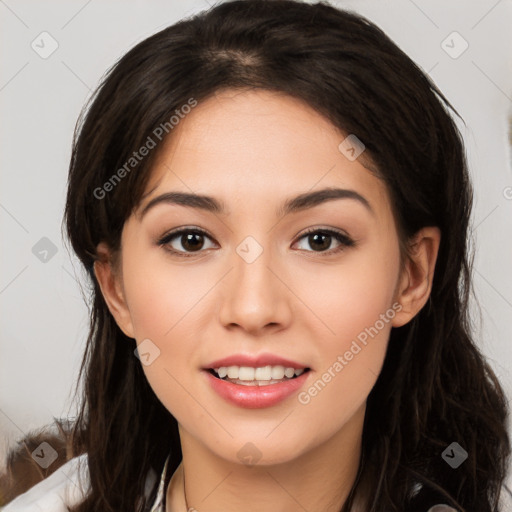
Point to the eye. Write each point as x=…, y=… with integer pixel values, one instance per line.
x=190, y=239
x=322, y=239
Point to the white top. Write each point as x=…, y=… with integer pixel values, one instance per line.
x=62, y=488
x=54, y=492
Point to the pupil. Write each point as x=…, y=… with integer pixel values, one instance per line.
x=314, y=239
x=189, y=241
x=194, y=241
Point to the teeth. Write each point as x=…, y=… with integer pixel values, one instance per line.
x=245, y=373
x=277, y=372
x=254, y=382
x=263, y=374
x=233, y=372
x=289, y=372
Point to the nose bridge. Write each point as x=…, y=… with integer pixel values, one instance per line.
x=254, y=296
x=252, y=261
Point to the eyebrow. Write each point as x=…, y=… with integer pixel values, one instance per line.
x=295, y=204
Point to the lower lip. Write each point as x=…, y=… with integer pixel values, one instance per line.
x=255, y=397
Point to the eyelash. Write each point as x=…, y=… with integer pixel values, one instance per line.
x=344, y=240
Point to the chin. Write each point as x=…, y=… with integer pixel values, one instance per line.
x=261, y=451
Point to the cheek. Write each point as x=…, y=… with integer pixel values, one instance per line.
x=162, y=305
x=355, y=305
x=351, y=296
x=358, y=313
x=161, y=294
x=159, y=297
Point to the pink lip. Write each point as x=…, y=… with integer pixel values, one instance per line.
x=255, y=397
x=255, y=361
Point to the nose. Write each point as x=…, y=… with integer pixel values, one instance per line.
x=256, y=296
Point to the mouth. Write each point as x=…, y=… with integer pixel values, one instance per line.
x=261, y=376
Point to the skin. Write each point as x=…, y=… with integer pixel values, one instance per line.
x=253, y=150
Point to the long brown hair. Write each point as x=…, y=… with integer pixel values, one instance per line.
x=435, y=386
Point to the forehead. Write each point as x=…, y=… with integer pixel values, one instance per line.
x=258, y=145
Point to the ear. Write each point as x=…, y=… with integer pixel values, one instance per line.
x=110, y=281
x=415, y=283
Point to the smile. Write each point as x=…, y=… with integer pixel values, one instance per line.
x=261, y=376
x=255, y=388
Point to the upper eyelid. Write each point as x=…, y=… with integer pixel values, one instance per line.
x=166, y=238
x=186, y=229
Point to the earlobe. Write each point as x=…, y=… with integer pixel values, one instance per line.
x=111, y=289
x=417, y=277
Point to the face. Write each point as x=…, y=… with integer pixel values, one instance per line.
x=317, y=284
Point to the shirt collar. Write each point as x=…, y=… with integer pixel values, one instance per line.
x=175, y=494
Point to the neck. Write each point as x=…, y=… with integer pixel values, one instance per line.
x=318, y=480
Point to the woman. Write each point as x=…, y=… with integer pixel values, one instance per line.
x=230, y=362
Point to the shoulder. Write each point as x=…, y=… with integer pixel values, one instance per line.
x=64, y=487
x=506, y=496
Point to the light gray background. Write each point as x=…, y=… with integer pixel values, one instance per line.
x=43, y=317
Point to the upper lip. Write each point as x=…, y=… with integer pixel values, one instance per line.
x=255, y=361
